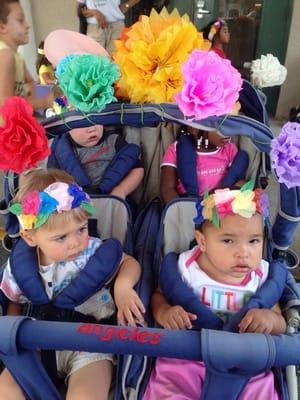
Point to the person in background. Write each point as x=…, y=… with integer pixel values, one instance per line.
x=15, y=79
x=44, y=67
x=105, y=19
x=218, y=34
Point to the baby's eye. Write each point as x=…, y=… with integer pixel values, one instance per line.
x=228, y=241
x=255, y=241
x=60, y=238
x=82, y=229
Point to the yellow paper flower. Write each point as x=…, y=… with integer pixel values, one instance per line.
x=27, y=221
x=150, y=55
x=208, y=205
x=243, y=203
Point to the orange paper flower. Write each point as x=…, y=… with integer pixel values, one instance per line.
x=150, y=55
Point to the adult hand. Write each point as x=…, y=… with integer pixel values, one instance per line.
x=102, y=22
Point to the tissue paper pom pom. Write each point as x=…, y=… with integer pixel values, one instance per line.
x=23, y=141
x=267, y=71
x=87, y=82
x=285, y=154
x=211, y=85
x=150, y=54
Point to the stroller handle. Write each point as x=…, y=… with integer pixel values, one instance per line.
x=219, y=349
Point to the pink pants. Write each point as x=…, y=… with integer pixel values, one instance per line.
x=173, y=379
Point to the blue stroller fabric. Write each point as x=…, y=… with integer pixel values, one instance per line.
x=64, y=157
x=270, y=351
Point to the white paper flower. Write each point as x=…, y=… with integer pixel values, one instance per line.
x=267, y=71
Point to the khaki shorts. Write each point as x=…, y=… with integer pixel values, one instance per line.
x=70, y=361
x=106, y=36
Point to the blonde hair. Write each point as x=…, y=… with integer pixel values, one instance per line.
x=38, y=179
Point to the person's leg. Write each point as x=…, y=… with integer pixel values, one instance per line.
x=114, y=31
x=91, y=381
x=97, y=34
x=9, y=389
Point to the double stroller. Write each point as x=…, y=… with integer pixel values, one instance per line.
x=153, y=234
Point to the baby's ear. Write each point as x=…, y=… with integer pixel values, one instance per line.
x=28, y=237
x=200, y=239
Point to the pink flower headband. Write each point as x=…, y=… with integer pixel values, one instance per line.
x=36, y=207
x=215, y=28
x=244, y=202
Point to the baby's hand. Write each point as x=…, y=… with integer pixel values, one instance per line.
x=262, y=321
x=129, y=307
x=177, y=318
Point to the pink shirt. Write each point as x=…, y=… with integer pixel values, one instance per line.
x=211, y=167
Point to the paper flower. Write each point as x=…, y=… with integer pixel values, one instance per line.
x=150, y=55
x=78, y=195
x=285, y=154
x=62, y=65
x=243, y=203
x=267, y=71
x=60, y=192
x=262, y=202
x=23, y=141
x=211, y=85
x=31, y=203
x=36, y=207
x=87, y=82
x=208, y=204
x=199, y=219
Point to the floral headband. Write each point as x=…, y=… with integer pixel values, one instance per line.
x=36, y=207
x=244, y=202
x=215, y=28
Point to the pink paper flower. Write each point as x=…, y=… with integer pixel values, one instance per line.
x=225, y=208
x=31, y=203
x=211, y=85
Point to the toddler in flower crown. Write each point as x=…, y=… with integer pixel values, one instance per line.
x=53, y=214
x=226, y=260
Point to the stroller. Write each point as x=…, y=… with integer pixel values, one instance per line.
x=21, y=336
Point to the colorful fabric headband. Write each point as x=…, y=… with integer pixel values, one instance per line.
x=244, y=202
x=214, y=29
x=36, y=207
x=41, y=51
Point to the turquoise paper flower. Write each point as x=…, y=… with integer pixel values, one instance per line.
x=87, y=82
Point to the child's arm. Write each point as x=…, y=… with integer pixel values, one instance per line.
x=129, y=183
x=170, y=317
x=7, y=74
x=263, y=321
x=127, y=300
x=168, y=184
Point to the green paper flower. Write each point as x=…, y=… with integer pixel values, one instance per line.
x=87, y=82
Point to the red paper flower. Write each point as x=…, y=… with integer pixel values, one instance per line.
x=23, y=141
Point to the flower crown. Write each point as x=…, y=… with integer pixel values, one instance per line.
x=36, y=207
x=244, y=202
